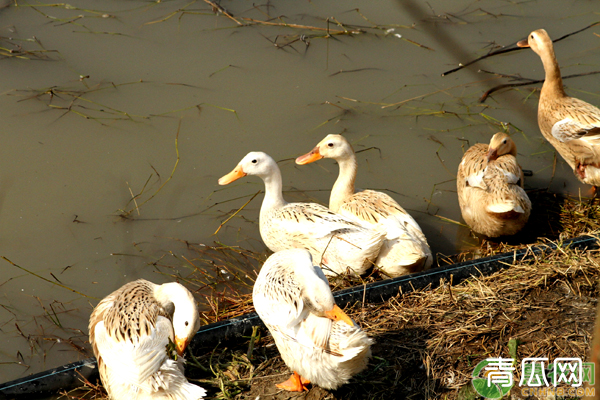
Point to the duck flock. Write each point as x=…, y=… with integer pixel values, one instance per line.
x=139, y=332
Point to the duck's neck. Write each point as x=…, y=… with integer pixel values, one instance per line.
x=169, y=294
x=553, y=85
x=344, y=185
x=273, y=192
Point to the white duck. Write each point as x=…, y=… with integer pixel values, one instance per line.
x=316, y=339
x=405, y=249
x=490, y=188
x=337, y=242
x=130, y=330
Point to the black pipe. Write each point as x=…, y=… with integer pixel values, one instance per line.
x=67, y=376
x=44, y=383
x=380, y=291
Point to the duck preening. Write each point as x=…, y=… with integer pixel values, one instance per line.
x=130, y=331
x=320, y=343
x=490, y=188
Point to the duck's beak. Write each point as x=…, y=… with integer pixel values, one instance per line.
x=234, y=175
x=336, y=314
x=180, y=345
x=492, y=155
x=523, y=43
x=313, y=156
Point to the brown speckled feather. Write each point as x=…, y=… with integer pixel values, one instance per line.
x=334, y=240
x=130, y=331
x=371, y=206
x=128, y=313
x=405, y=248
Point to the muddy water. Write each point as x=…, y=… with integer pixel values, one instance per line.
x=124, y=98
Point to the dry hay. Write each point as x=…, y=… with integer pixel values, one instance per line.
x=556, y=218
x=429, y=341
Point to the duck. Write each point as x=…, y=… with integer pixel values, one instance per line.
x=317, y=340
x=405, y=248
x=571, y=125
x=337, y=243
x=130, y=331
x=490, y=188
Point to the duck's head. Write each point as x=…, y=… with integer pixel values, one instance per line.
x=333, y=146
x=538, y=40
x=314, y=286
x=254, y=163
x=500, y=145
x=185, y=312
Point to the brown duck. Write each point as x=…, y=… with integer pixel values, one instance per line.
x=490, y=188
x=571, y=125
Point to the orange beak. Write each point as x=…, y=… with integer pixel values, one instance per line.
x=313, y=156
x=523, y=43
x=234, y=175
x=492, y=155
x=336, y=314
x=180, y=345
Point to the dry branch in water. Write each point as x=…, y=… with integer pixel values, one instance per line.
x=484, y=97
x=510, y=49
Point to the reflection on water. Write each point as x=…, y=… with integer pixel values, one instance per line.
x=118, y=118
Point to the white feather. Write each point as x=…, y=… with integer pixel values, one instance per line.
x=288, y=295
x=568, y=129
x=504, y=207
x=476, y=180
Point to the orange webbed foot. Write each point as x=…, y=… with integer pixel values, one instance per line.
x=294, y=384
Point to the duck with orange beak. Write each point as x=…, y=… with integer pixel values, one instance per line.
x=336, y=242
x=318, y=341
x=571, y=125
x=405, y=249
x=130, y=331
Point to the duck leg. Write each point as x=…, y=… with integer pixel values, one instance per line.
x=295, y=383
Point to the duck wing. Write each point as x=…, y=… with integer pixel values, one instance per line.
x=312, y=220
x=473, y=168
x=135, y=358
x=577, y=119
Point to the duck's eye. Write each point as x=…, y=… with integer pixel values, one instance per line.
x=532, y=36
x=504, y=141
x=186, y=323
x=330, y=144
x=254, y=161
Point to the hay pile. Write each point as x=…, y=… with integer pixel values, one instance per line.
x=428, y=341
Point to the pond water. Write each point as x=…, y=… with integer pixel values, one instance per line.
x=102, y=101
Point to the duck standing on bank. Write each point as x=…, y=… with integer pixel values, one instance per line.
x=130, y=330
x=316, y=339
x=337, y=242
x=490, y=188
x=571, y=125
x=405, y=249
